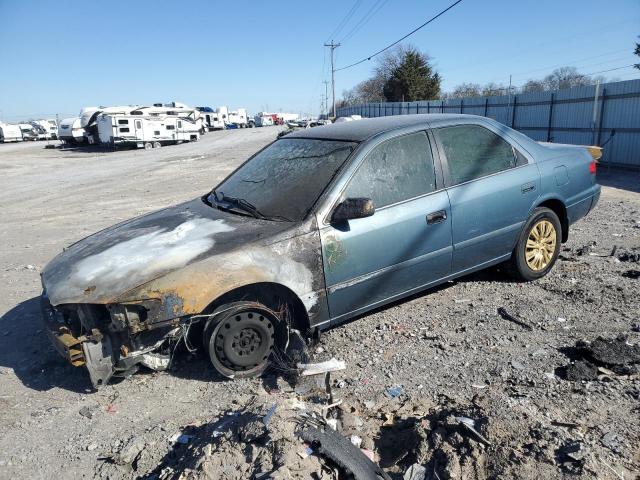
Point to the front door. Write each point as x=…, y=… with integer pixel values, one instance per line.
x=405, y=245
x=491, y=187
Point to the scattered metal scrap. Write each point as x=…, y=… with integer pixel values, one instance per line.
x=507, y=316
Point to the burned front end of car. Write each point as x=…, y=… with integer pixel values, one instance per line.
x=111, y=339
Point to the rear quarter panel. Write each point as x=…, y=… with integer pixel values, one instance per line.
x=565, y=176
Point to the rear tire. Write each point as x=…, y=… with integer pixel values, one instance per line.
x=157, y=145
x=148, y=146
x=538, y=246
x=240, y=338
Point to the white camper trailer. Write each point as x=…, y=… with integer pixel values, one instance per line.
x=89, y=119
x=70, y=131
x=211, y=119
x=146, y=131
x=239, y=117
x=263, y=120
x=45, y=130
x=29, y=132
x=10, y=133
x=173, y=109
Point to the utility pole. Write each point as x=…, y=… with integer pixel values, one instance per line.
x=326, y=97
x=509, y=103
x=333, y=46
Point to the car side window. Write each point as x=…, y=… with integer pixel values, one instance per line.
x=473, y=151
x=396, y=170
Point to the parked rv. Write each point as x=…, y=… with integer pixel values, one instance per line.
x=70, y=131
x=146, y=131
x=28, y=132
x=10, y=133
x=89, y=119
x=45, y=129
x=263, y=120
x=237, y=117
x=211, y=119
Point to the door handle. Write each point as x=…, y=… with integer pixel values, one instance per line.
x=436, y=217
x=528, y=187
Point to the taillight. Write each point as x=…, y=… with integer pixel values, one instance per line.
x=592, y=167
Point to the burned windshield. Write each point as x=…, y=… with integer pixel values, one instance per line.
x=285, y=179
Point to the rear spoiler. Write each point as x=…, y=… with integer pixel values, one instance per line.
x=594, y=151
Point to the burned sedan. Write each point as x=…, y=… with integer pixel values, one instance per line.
x=318, y=227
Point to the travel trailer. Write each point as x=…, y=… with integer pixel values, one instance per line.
x=45, y=129
x=10, y=133
x=263, y=120
x=236, y=117
x=174, y=109
x=89, y=119
x=211, y=119
x=70, y=131
x=28, y=131
x=146, y=131
x=239, y=117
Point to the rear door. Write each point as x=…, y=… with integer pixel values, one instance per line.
x=491, y=187
x=405, y=245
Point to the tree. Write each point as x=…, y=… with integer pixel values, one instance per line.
x=533, y=86
x=465, y=90
x=493, y=89
x=637, y=52
x=413, y=79
x=565, y=77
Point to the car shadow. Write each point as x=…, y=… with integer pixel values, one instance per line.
x=26, y=349
x=616, y=177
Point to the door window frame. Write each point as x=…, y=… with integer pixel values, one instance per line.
x=337, y=193
x=444, y=161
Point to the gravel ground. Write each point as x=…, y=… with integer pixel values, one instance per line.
x=447, y=349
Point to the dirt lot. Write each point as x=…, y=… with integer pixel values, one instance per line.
x=448, y=351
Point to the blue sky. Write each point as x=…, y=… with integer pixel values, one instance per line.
x=58, y=56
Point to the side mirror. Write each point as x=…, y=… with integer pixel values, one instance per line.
x=352, y=208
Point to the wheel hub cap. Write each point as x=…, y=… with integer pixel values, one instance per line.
x=541, y=245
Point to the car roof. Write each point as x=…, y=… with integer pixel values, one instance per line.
x=359, y=130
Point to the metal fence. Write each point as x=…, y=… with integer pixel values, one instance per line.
x=607, y=115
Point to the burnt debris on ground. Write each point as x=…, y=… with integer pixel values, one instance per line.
x=601, y=358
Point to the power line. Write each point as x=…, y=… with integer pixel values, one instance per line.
x=345, y=19
x=401, y=39
x=573, y=62
x=555, y=42
x=375, y=8
x=609, y=70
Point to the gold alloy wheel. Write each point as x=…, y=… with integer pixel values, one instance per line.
x=541, y=245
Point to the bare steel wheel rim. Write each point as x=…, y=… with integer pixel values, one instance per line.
x=242, y=342
x=541, y=245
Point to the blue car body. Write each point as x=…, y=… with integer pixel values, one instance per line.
x=395, y=252
x=326, y=272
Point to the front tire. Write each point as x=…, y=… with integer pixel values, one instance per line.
x=240, y=338
x=538, y=245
